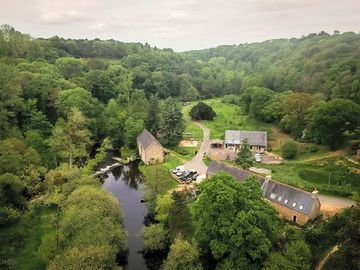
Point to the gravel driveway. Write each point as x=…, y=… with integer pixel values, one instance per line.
x=197, y=162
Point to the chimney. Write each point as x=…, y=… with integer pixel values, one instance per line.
x=315, y=194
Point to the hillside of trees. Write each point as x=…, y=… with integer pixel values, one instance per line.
x=63, y=102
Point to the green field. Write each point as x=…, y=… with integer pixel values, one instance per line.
x=229, y=116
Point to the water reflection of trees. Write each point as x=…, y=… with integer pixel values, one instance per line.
x=129, y=174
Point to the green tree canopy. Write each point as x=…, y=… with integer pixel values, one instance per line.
x=70, y=67
x=289, y=149
x=202, y=111
x=71, y=139
x=154, y=237
x=238, y=225
x=172, y=122
x=244, y=157
x=328, y=121
x=182, y=256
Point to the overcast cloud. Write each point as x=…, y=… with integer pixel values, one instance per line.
x=183, y=24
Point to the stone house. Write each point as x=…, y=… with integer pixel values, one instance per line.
x=150, y=150
x=256, y=139
x=291, y=203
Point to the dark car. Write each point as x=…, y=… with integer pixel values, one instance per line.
x=185, y=175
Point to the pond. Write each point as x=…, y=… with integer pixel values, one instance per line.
x=125, y=183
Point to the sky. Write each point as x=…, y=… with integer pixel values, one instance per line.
x=182, y=24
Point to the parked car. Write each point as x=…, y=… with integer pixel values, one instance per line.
x=177, y=169
x=180, y=173
x=188, y=181
x=257, y=157
x=185, y=175
x=194, y=176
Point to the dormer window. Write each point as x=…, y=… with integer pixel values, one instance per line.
x=280, y=198
x=301, y=207
x=286, y=201
x=294, y=204
x=272, y=195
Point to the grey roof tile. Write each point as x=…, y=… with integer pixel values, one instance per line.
x=254, y=137
x=146, y=138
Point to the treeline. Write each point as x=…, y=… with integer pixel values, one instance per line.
x=318, y=63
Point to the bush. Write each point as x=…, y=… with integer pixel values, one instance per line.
x=289, y=149
x=232, y=99
x=154, y=237
x=313, y=148
x=202, y=111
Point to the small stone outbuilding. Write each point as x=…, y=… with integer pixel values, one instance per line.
x=150, y=150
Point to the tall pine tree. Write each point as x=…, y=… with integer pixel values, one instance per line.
x=172, y=123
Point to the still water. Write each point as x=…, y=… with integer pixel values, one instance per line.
x=125, y=183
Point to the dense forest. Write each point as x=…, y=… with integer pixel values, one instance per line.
x=64, y=102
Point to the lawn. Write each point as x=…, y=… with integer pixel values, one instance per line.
x=228, y=116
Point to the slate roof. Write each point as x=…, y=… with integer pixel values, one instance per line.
x=239, y=174
x=146, y=138
x=272, y=190
x=288, y=196
x=254, y=137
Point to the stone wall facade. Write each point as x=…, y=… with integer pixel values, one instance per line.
x=152, y=154
x=290, y=214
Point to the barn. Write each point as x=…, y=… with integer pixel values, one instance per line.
x=256, y=139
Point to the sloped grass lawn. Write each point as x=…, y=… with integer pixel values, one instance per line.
x=330, y=175
x=229, y=116
x=20, y=242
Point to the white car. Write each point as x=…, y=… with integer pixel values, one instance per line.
x=180, y=172
x=177, y=169
x=257, y=157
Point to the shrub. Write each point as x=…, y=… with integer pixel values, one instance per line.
x=202, y=111
x=154, y=237
x=231, y=99
x=313, y=148
x=289, y=149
